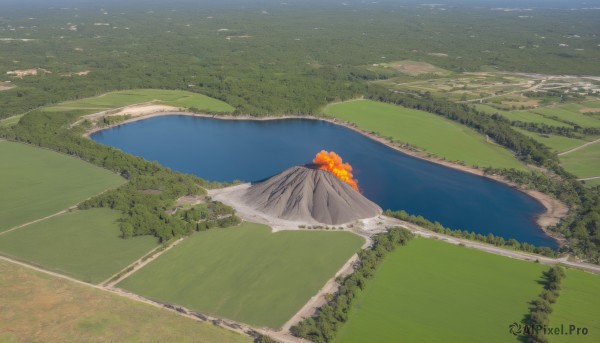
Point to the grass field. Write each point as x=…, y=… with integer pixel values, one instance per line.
x=36, y=307
x=554, y=142
x=130, y=97
x=246, y=273
x=431, y=291
x=584, y=162
x=35, y=183
x=523, y=116
x=578, y=304
x=82, y=244
x=436, y=135
x=570, y=116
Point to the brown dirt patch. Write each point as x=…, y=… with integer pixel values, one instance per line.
x=437, y=54
x=36, y=307
x=190, y=200
x=590, y=110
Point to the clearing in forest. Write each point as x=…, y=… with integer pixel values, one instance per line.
x=118, y=99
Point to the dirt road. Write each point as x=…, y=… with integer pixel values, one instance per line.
x=579, y=147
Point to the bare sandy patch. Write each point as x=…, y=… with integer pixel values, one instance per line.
x=141, y=110
x=238, y=37
x=437, y=54
x=6, y=86
x=590, y=110
x=27, y=72
x=190, y=200
x=80, y=73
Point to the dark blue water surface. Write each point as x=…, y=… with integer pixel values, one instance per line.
x=224, y=150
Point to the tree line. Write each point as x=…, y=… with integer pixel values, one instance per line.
x=541, y=308
x=490, y=238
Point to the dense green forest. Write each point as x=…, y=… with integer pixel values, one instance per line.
x=273, y=59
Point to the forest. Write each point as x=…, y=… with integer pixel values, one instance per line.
x=271, y=59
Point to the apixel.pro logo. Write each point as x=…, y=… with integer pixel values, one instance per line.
x=535, y=330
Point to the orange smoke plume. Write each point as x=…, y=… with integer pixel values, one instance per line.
x=333, y=163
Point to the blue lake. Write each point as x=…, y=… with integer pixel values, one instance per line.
x=224, y=150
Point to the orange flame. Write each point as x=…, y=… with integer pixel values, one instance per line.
x=333, y=163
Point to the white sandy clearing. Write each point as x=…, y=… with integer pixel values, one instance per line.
x=142, y=110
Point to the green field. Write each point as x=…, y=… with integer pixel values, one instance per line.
x=584, y=162
x=434, y=134
x=35, y=183
x=130, y=97
x=578, y=304
x=432, y=291
x=554, y=142
x=37, y=307
x=523, y=116
x=569, y=116
x=246, y=273
x=82, y=244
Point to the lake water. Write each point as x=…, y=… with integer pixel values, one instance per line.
x=224, y=150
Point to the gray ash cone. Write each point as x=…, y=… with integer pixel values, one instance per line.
x=311, y=195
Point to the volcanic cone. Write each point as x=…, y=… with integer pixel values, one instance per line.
x=307, y=194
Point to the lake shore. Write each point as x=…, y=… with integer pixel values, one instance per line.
x=554, y=209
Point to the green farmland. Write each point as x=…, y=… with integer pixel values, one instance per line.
x=522, y=116
x=245, y=273
x=569, y=116
x=130, y=97
x=578, y=304
x=584, y=162
x=82, y=244
x=554, y=142
x=35, y=183
x=432, y=291
x=425, y=130
x=37, y=307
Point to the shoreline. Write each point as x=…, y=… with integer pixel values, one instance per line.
x=554, y=209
